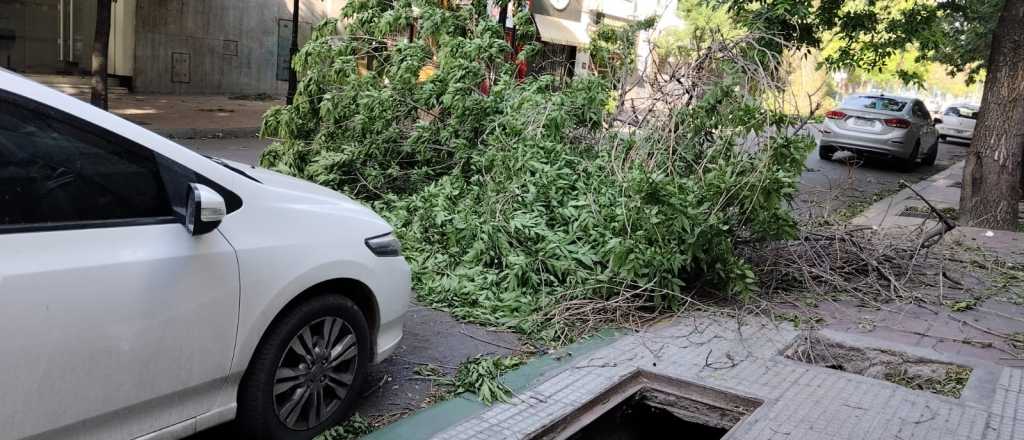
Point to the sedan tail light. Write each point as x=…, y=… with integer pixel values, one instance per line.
x=897, y=123
x=835, y=114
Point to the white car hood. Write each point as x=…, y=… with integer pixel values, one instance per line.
x=281, y=181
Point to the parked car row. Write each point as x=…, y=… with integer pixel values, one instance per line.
x=147, y=291
x=892, y=127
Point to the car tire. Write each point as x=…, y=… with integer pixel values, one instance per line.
x=910, y=162
x=271, y=405
x=825, y=152
x=933, y=153
x=942, y=138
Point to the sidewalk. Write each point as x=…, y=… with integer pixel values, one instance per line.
x=186, y=117
x=989, y=322
x=737, y=377
x=906, y=210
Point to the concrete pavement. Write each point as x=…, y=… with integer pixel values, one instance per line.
x=179, y=116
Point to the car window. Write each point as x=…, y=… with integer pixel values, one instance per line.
x=879, y=103
x=55, y=170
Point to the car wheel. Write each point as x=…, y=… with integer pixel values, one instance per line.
x=825, y=152
x=910, y=162
x=307, y=372
x=942, y=137
x=933, y=153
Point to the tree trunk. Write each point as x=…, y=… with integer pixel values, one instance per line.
x=992, y=175
x=99, y=55
x=293, y=78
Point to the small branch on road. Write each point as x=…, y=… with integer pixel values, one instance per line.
x=477, y=338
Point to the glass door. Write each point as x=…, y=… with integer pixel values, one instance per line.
x=47, y=36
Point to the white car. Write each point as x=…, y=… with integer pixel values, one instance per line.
x=958, y=122
x=149, y=292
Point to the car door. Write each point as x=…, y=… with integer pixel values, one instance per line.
x=116, y=322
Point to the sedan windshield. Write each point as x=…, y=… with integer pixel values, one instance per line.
x=879, y=103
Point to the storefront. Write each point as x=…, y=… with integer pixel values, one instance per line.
x=56, y=36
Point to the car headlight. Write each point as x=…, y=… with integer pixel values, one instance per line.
x=386, y=245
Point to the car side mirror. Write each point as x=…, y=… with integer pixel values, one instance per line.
x=937, y=121
x=204, y=210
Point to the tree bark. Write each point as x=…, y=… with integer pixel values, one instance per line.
x=100, y=45
x=992, y=175
x=293, y=78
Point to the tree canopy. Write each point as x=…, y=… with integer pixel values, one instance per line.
x=867, y=34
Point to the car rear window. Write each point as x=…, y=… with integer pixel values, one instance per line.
x=879, y=103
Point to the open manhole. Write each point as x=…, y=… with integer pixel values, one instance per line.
x=646, y=406
x=904, y=369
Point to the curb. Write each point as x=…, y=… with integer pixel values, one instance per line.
x=882, y=213
x=198, y=133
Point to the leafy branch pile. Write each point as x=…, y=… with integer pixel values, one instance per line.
x=513, y=195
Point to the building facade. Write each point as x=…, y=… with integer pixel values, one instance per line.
x=162, y=46
x=565, y=25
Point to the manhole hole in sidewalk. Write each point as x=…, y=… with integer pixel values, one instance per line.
x=646, y=406
x=904, y=369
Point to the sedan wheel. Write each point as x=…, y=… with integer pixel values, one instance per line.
x=315, y=373
x=307, y=372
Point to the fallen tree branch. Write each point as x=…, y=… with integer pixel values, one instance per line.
x=932, y=237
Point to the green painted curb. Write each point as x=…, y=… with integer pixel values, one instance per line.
x=430, y=421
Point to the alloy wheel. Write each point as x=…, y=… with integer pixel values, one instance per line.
x=315, y=373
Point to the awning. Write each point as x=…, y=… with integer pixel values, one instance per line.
x=559, y=31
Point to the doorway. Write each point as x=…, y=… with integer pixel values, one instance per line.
x=47, y=36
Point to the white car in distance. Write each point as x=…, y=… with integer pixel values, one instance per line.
x=149, y=292
x=957, y=122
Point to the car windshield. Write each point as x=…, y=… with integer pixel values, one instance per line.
x=879, y=103
x=963, y=112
